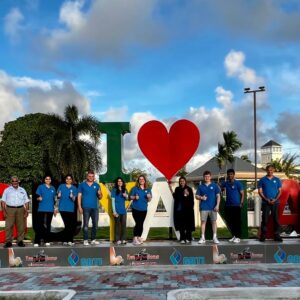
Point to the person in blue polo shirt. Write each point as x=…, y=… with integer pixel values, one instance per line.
x=66, y=194
x=140, y=196
x=269, y=189
x=89, y=194
x=46, y=196
x=119, y=195
x=234, y=202
x=209, y=195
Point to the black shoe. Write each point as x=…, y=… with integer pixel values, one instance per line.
x=21, y=244
x=278, y=238
x=7, y=245
x=262, y=238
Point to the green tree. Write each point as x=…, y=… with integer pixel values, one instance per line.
x=182, y=172
x=245, y=158
x=226, y=150
x=22, y=150
x=69, y=149
x=286, y=164
x=136, y=172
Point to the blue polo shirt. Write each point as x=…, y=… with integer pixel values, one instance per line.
x=270, y=186
x=66, y=203
x=48, y=198
x=211, y=191
x=89, y=194
x=119, y=201
x=142, y=203
x=233, y=189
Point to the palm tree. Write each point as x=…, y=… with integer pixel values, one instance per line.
x=226, y=150
x=286, y=164
x=73, y=144
x=245, y=157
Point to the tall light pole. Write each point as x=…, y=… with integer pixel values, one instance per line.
x=247, y=91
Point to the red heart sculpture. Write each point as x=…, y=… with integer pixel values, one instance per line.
x=169, y=152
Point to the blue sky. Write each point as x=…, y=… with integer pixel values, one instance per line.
x=138, y=60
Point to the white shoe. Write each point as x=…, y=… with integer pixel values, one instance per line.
x=119, y=242
x=140, y=240
x=86, y=243
x=136, y=241
x=215, y=240
x=65, y=244
x=36, y=245
x=71, y=244
x=236, y=240
x=232, y=239
x=202, y=241
x=47, y=244
x=94, y=242
x=188, y=242
x=124, y=242
x=182, y=242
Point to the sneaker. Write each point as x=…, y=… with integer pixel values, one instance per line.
x=182, y=242
x=202, y=241
x=124, y=242
x=236, y=240
x=119, y=242
x=232, y=239
x=47, y=244
x=262, y=238
x=94, y=242
x=65, y=244
x=278, y=238
x=7, y=245
x=188, y=242
x=215, y=240
x=140, y=240
x=21, y=244
x=86, y=243
x=36, y=245
x=136, y=241
x=71, y=244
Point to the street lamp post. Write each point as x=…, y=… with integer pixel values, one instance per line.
x=247, y=91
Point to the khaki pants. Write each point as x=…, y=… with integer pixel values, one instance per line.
x=14, y=216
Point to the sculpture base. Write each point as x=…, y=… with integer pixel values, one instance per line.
x=152, y=253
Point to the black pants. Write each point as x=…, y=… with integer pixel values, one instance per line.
x=233, y=219
x=120, y=227
x=139, y=218
x=43, y=227
x=70, y=221
x=266, y=210
x=185, y=234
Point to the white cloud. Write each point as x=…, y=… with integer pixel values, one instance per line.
x=118, y=114
x=235, y=67
x=11, y=103
x=224, y=97
x=106, y=29
x=12, y=24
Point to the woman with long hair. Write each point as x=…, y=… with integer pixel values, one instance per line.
x=119, y=195
x=140, y=196
x=66, y=194
x=184, y=218
x=46, y=194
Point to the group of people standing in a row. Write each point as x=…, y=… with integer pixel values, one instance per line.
x=15, y=206
x=208, y=194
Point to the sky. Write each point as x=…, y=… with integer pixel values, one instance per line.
x=141, y=60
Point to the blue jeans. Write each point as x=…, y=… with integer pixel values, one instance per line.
x=88, y=213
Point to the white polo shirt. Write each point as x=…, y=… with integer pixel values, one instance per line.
x=15, y=197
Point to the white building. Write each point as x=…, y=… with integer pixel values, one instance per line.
x=270, y=151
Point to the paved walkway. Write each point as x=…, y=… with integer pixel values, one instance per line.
x=151, y=282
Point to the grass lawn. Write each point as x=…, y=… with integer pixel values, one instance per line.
x=160, y=233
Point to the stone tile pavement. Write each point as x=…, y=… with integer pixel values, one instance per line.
x=147, y=283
